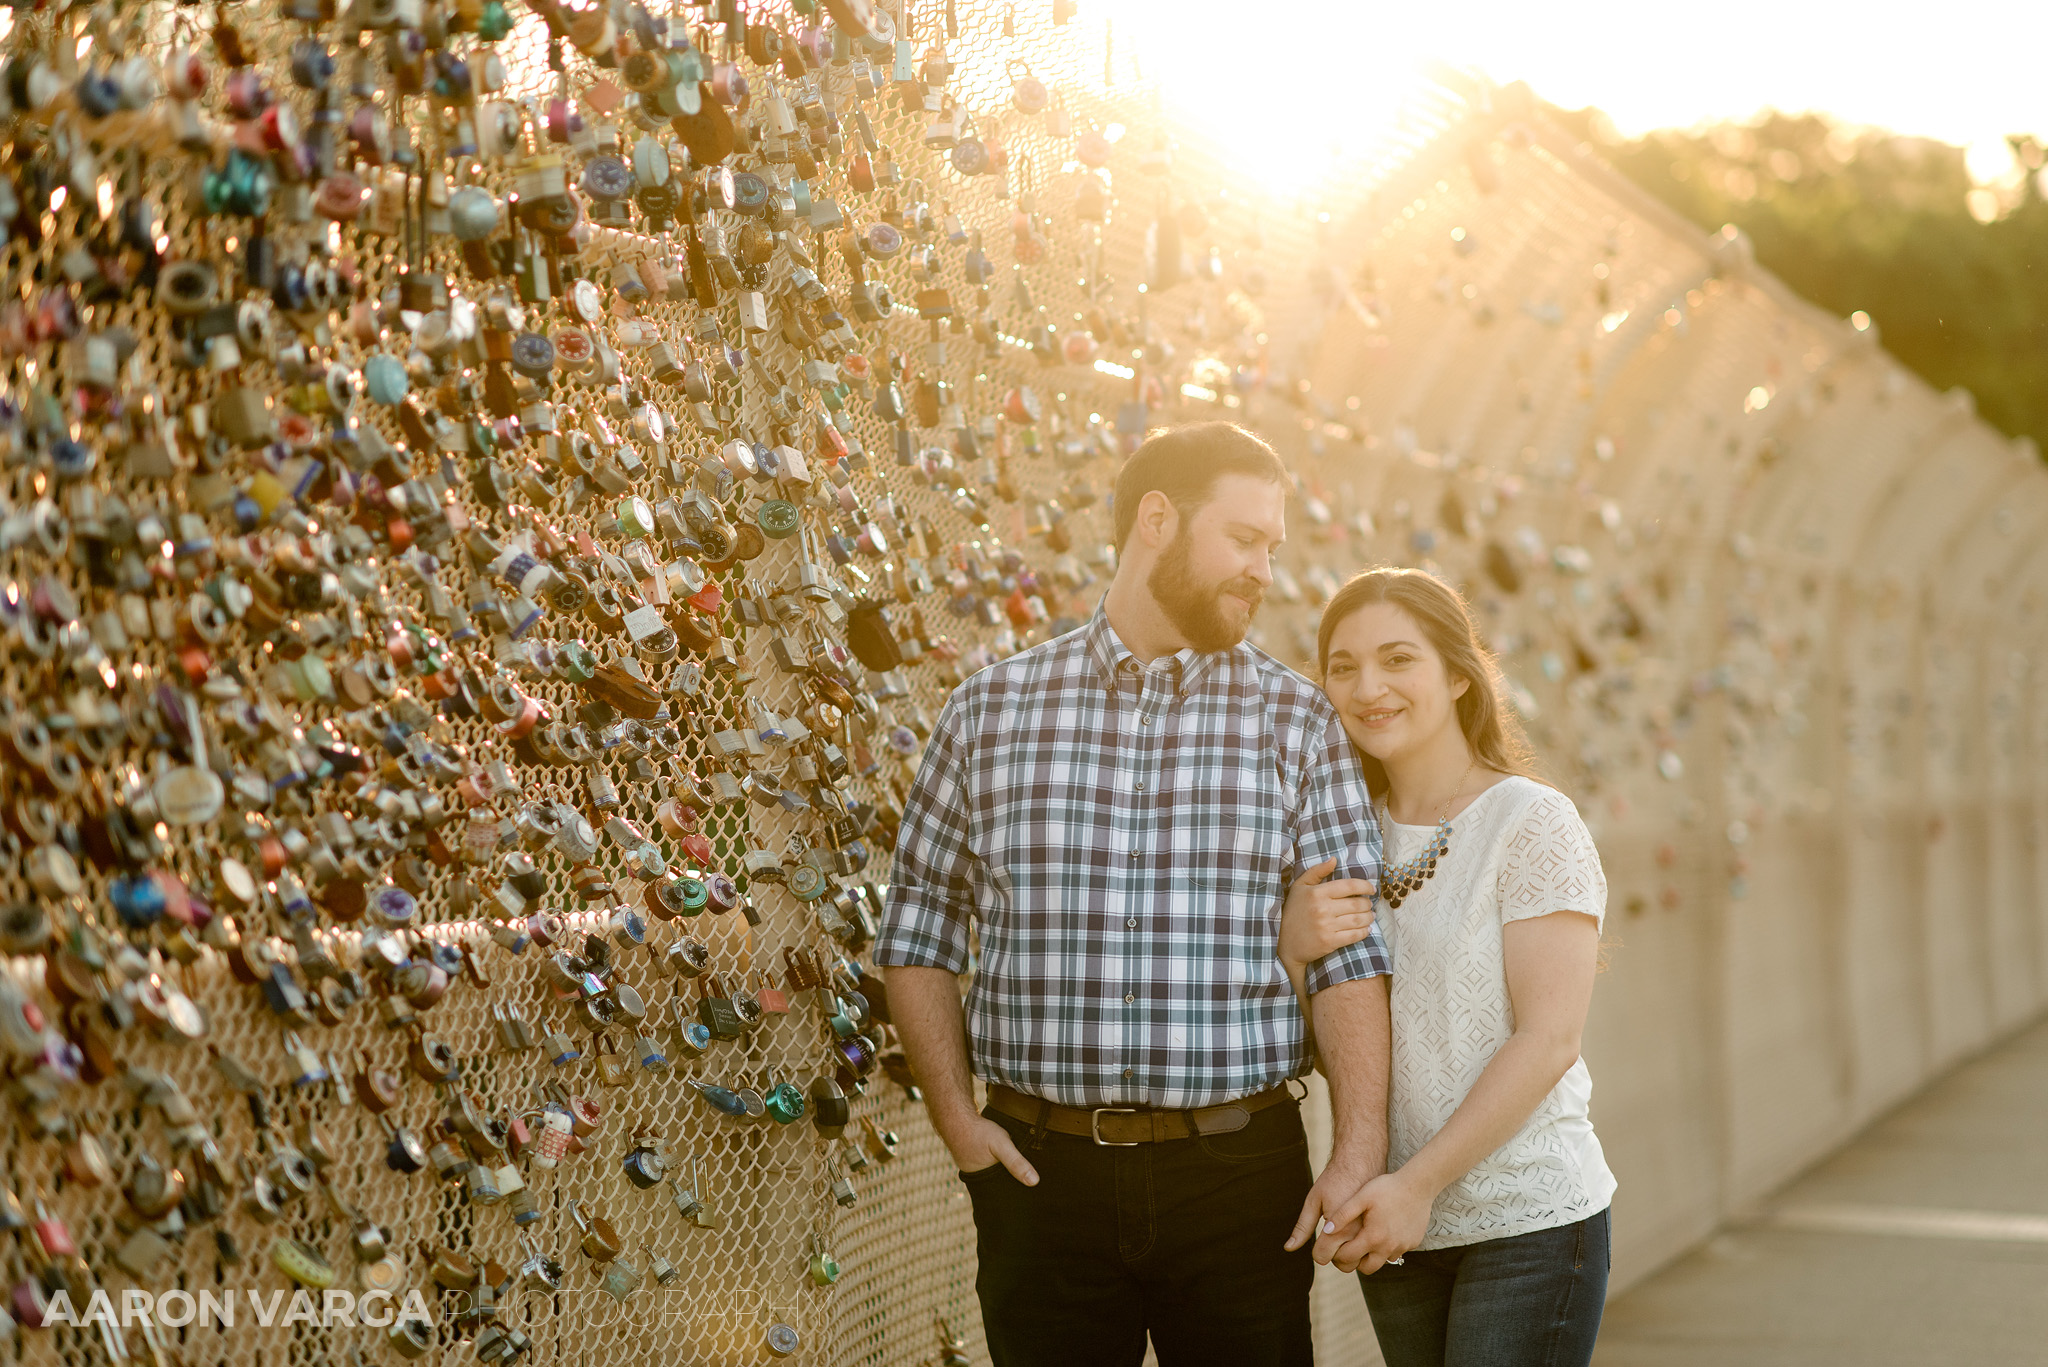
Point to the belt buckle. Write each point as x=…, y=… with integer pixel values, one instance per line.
x=1095, y=1126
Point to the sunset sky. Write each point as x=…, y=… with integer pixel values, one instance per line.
x=1964, y=71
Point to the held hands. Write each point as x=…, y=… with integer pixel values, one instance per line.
x=1378, y=1223
x=979, y=1142
x=1324, y=916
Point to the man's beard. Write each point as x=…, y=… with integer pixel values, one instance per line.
x=1196, y=609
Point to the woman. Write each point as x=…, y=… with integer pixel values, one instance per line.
x=1491, y=902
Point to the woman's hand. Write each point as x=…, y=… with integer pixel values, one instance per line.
x=1396, y=1215
x=1323, y=916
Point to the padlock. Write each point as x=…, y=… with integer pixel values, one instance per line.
x=685, y=1198
x=560, y=1049
x=687, y=1035
x=855, y=1157
x=307, y=1068
x=612, y=1068
x=688, y=957
x=772, y=999
x=830, y=1110
x=649, y=1051
x=645, y=1164
x=801, y=970
x=515, y=1032
x=52, y=1234
x=600, y=1242
x=785, y=1103
x=483, y=1185
x=621, y=1279
x=551, y=1142
x=880, y=1142
x=664, y=1272
x=715, y=1009
x=822, y=1266
x=747, y=1008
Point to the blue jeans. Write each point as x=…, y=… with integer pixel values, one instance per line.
x=1530, y=1301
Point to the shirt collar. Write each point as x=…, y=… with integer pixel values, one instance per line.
x=1114, y=661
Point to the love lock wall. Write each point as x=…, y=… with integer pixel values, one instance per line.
x=495, y=498
x=1770, y=607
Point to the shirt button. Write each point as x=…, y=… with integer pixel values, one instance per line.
x=1135, y=853
x=1130, y=1072
x=1131, y=923
x=1144, y=721
x=1130, y=997
x=1141, y=785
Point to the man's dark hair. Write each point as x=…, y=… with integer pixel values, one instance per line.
x=1184, y=463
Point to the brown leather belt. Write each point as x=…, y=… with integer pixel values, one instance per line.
x=1126, y=1126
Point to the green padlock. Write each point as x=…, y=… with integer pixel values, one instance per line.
x=786, y=1103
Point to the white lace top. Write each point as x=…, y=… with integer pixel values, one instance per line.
x=1519, y=850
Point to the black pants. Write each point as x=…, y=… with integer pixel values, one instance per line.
x=1181, y=1240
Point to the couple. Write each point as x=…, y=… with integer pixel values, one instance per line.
x=1170, y=845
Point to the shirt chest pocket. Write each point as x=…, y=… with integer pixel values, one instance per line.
x=1243, y=851
x=1236, y=900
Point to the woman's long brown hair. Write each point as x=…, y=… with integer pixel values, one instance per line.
x=1491, y=729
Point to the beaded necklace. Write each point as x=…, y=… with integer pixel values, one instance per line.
x=1406, y=878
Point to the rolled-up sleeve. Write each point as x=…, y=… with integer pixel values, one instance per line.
x=931, y=886
x=1336, y=821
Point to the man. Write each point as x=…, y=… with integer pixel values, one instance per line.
x=1121, y=811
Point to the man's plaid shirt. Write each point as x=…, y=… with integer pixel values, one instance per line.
x=1125, y=837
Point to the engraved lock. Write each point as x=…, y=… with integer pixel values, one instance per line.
x=715, y=1009
x=621, y=1279
x=612, y=1068
x=952, y=1347
x=152, y=1190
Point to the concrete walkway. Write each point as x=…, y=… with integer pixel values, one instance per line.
x=1922, y=1244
